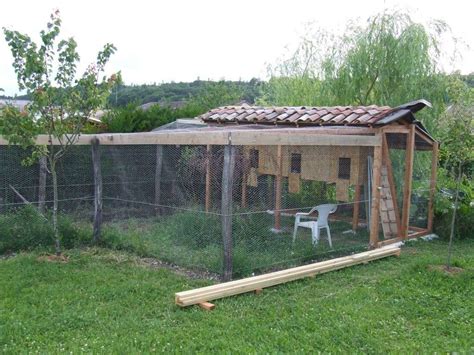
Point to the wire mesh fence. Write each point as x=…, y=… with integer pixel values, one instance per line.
x=229, y=210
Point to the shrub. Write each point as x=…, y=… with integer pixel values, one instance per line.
x=25, y=229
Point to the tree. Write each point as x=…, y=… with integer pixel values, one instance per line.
x=61, y=103
x=390, y=60
x=457, y=150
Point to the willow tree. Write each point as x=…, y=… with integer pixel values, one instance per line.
x=61, y=101
x=389, y=60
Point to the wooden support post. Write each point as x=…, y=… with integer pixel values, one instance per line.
x=278, y=184
x=393, y=190
x=158, y=170
x=43, y=169
x=410, y=151
x=245, y=169
x=227, y=184
x=208, y=177
x=97, y=190
x=434, y=168
x=374, y=215
x=356, y=208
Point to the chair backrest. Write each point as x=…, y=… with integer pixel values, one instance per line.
x=323, y=213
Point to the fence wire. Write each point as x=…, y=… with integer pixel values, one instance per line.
x=169, y=201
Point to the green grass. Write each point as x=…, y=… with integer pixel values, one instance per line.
x=103, y=302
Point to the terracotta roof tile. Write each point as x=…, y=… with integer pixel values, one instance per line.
x=337, y=115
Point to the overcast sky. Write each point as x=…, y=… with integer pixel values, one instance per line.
x=181, y=40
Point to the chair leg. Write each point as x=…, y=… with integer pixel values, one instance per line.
x=329, y=237
x=314, y=238
x=294, y=232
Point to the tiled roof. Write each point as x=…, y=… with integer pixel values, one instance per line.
x=336, y=115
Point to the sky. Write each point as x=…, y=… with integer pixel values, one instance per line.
x=182, y=40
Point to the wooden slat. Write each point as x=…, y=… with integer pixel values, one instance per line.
x=410, y=150
x=247, y=137
x=213, y=292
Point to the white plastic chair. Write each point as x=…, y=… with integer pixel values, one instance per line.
x=323, y=214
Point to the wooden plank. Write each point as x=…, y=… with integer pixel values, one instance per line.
x=158, y=170
x=374, y=219
x=208, y=177
x=43, y=170
x=226, y=205
x=267, y=280
x=356, y=208
x=97, y=190
x=407, y=187
x=214, y=137
x=418, y=234
x=207, y=306
x=205, y=294
x=434, y=167
x=278, y=183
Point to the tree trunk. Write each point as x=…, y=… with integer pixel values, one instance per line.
x=456, y=203
x=57, y=241
x=42, y=183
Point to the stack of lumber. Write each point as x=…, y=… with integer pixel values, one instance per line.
x=209, y=293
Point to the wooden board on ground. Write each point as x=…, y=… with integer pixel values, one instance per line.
x=209, y=293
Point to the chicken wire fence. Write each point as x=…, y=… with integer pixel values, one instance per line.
x=227, y=210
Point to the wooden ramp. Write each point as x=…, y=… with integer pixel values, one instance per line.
x=389, y=214
x=203, y=295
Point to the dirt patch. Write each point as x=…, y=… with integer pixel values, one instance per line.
x=452, y=270
x=53, y=258
x=194, y=274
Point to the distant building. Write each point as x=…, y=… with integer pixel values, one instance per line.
x=19, y=104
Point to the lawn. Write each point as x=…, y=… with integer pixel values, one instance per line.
x=103, y=301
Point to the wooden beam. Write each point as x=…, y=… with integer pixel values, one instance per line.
x=220, y=137
x=409, y=157
x=418, y=234
x=396, y=129
x=97, y=190
x=434, y=168
x=424, y=136
x=393, y=190
x=375, y=212
x=278, y=183
x=254, y=283
x=356, y=208
x=208, y=177
x=158, y=171
x=226, y=218
x=43, y=170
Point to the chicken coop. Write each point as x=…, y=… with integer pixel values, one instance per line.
x=243, y=189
